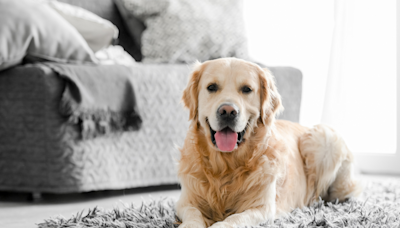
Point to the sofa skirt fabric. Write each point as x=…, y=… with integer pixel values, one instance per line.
x=41, y=151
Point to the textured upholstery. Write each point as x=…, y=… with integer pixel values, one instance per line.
x=40, y=151
x=181, y=31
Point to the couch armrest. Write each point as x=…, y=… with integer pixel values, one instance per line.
x=29, y=97
x=289, y=83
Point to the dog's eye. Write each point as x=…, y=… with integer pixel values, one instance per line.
x=246, y=89
x=212, y=88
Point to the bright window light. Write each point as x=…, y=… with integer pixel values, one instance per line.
x=369, y=79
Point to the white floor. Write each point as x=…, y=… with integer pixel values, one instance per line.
x=28, y=214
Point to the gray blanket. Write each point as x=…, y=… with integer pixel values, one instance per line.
x=99, y=98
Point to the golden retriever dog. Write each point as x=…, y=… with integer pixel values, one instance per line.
x=239, y=165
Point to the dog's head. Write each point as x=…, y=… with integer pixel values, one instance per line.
x=229, y=97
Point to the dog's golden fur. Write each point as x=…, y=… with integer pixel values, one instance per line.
x=280, y=165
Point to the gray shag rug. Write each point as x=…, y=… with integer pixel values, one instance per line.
x=378, y=206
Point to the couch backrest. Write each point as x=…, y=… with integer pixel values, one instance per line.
x=108, y=10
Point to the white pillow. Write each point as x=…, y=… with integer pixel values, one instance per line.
x=33, y=29
x=98, y=32
x=115, y=55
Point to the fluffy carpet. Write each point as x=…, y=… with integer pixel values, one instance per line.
x=379, y=206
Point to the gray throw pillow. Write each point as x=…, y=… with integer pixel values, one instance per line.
x=183, y=31
x=32, y=28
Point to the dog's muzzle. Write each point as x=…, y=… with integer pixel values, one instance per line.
x=226, y=139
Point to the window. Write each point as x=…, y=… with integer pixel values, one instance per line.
x=347, y=51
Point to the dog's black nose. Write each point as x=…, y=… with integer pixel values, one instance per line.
x=228, y=112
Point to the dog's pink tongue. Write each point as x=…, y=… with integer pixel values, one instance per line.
x=226, y=139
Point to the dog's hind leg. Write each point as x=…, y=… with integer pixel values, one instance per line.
x=328, y=165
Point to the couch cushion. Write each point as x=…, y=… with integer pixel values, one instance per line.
x=33, y=28
x=182, y=31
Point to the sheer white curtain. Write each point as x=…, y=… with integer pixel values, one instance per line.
x=346, y=50
x=360, y=100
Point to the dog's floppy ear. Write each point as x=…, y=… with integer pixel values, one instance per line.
x=271, y=103
x=190, y=94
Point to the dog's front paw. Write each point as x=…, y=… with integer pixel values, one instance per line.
x=192, y=224
x=222, y=225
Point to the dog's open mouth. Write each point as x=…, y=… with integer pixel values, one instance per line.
x=226, y=139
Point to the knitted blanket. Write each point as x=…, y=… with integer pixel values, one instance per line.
x=98, y=98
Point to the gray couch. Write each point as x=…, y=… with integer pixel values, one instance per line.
x=40, y=151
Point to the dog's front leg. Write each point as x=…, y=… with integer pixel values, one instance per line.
x=191, y=217
x=253, y=216
x=250, y=217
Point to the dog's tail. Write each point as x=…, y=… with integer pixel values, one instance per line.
x=328, y=165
